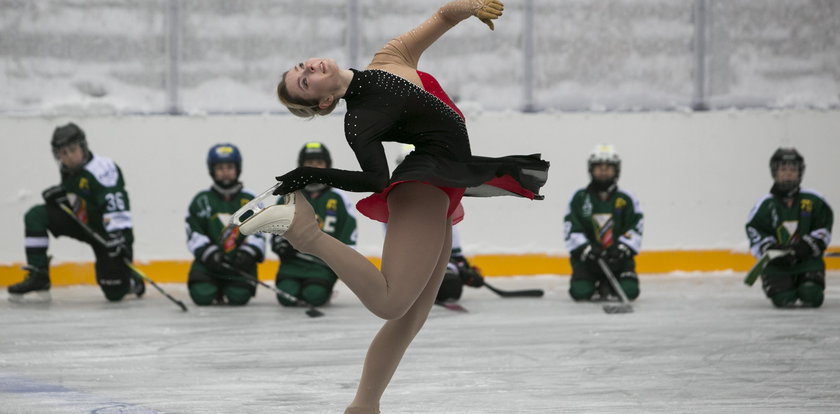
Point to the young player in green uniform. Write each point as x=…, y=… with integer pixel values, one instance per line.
x=604, y=223
x=92, y=187
x=213, y=243
x=798, y=221
x=305, y=276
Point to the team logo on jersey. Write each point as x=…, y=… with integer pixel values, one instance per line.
x=786, y=231
x=806, y=206
x=604, y=228
x=587, y=207
x=332, y=204
x=85, y=185
x=620, y=203
x=243, y=201
x=229, y=233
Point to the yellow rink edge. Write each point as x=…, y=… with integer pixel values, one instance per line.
x=662, y=261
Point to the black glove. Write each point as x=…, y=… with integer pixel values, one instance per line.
x=806, y=247
x=618, y=253
x=470, y=276
x=243, y=259
x=592, y=252
x=292, y=181
x=116, y=247
x=56, y=195
x=283, y=248
x=213, y=258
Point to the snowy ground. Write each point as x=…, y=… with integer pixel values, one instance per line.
x=696, y=343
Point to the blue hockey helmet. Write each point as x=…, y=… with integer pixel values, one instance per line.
x=224, y=153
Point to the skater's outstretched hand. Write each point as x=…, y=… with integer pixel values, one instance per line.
x=488, y=11
x=293, y=180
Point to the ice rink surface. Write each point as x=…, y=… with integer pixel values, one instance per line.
x=696, y=343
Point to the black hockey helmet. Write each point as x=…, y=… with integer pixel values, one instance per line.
x=67, y=135
x=314, y=151
x=224, y=153
x=784, y=156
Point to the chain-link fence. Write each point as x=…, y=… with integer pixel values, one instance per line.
x=225, y=56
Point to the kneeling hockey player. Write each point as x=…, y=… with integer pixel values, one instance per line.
x=92, y=187
x=215, y=245
x=603, y=223
x=797, y=221
x=301, y=275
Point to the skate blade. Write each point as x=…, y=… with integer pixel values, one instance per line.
x=618, y=308
x=38, y=296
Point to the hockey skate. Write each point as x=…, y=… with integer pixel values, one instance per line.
x=262, y=214
x=35, y=288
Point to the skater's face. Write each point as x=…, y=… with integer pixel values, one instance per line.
x=224, y=172
x=603, y=172
x=71, y=156
x=314, y=80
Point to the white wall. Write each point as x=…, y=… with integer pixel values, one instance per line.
x=696, y=174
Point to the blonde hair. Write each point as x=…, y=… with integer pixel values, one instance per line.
x=300, y=107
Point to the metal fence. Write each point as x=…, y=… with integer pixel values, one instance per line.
x=225, y=56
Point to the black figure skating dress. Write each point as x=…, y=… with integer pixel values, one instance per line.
x=392, y=101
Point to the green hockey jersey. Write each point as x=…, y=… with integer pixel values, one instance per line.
x=336, y=217
x=98, y=197
x=589, y=219
x=772, y=222
x=207, y=225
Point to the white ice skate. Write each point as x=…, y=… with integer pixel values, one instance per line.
x=262, y=214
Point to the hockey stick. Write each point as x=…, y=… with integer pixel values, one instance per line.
x=128, y=263
x=310, y=311
x=530, y=293
x=832, y=254
x=624, y=306
x=762, y=262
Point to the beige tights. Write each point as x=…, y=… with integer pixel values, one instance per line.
x=418, y=243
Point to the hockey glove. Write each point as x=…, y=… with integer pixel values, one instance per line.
x=618, y=253
x=55, y=195
x=243, y=259
x=806, y=247
x=213, y=259
x=283, y=248
x=592, y=252
x=788, y=259
x=470, y=276
x=116, y=246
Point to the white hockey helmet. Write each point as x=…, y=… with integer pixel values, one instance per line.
x=605, y=154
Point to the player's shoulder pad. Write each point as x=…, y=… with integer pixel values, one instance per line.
x=104, y=170
x=813, y=193
x=580, y=192
x=632, y=197
x=758, y=205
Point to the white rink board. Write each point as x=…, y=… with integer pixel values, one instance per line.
x=697, y=174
